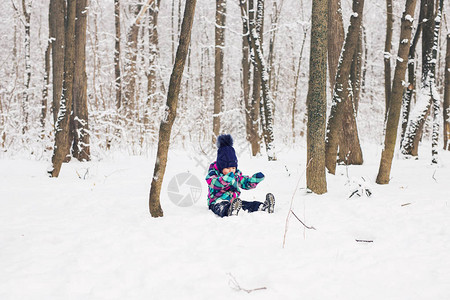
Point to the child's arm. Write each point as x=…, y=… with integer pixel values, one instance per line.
x=217, y=182
x=247, y=182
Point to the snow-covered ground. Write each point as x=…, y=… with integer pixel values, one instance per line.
x=88, y=234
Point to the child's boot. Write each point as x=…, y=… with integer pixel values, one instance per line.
x=235, y=206
x=269, y=204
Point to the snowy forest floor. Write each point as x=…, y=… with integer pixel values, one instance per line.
x=88, y=234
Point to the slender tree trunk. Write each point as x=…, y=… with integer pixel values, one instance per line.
x=317, y=99
x=297, y=77
x=62, y=124
x=336, y=36
x=387, y=55
x=396, y=94
x=447, y=98
x=350, y=152
x=261, y=64
x=26, y=11
x=81, y=147
x=171, y=110
x=221, y=10
x=44, y=102
x=436, y=98
x=411, y=88
x=152, y=83
x=57, y=35
x=340, y=95
x=421, y=111
x=117, y=53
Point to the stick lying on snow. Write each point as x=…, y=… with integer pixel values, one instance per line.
x=308, y=227
x=237, y=287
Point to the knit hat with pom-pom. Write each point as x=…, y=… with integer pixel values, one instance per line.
x=226, y=156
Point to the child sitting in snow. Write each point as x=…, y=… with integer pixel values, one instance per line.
x=225, y=181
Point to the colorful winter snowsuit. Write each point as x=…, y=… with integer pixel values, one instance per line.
x=225, y=188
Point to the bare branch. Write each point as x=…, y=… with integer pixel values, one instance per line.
x=237, y=287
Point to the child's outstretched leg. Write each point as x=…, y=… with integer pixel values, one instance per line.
x=268, y=205
x=226, y=208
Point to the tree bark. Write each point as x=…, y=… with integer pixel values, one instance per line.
x=81, y=147
x=350, y=152
x=44, y=102
x=340, y=95
x=57, y=35
x=62, y=124
x=447, y=98
x=421, y=111
x=336, y=36
x=387, y=55
x=396, y=94
x=219, y=35
x=411, y=88
x=171, y=110
x=153, y=59
x=117, y=53
x=317, y=99
x=261, y=64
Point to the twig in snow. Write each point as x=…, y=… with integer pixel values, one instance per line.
x=308, y=227
x=235, y=285
x=364, y=241
x=405, y=204
x=433, y=176
x=292, y=200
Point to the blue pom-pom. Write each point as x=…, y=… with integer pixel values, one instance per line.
x=224, y=140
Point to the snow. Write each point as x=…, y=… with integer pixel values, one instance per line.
x=68, y=238
x=409, y=18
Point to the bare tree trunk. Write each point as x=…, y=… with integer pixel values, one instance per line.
x=336, y=36
x=436, y=98
x=317, y=99
x=57, y=35
x=153, y=59
x=171, y=110
x=297, y=77
x=221, y=10
x=447, y=98
x=350, y=152
x=421, y=111
x=117, y=53
x=46, y=85
x=81, y=147
x=261, y=65
x=26, y=12
x=387, y=55
x=274, y=19
x=340, y=95
x=411, y=88
x=396, y=94
x=62, y=124
x=251, y=105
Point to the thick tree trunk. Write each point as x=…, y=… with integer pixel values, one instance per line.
x=57, y=35
x=421, y=111
x=396, y=94
x=336, y=36
x=62, y=124
x=387, y=55
x=81, y=147
x=446, y=132
x=171, y=110
x=341, y=87
x=117, y=53
x=317, y=99
x=221, y=10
